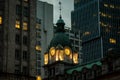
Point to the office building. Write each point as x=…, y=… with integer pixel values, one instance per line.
x=99, y=23
x=45, y=15
x=75, y=39
x=17, y=41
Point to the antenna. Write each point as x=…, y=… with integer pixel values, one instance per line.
x=60, y=9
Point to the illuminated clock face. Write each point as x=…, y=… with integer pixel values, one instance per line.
x=67, y=51
x=52, y=51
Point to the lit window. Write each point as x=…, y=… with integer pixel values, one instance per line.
x=52, y=51
x=17, y=25
x=37, y=26
x=75, y=58
x=113, y=41
x=111, y=6
x=61, y=55
x=38, y=48
x=39, y=78
x=67, y=51
x=0, y=20
x=46, y=59
x=106, y=5
x=25, y=26
x=57, y=55
x=87, y=33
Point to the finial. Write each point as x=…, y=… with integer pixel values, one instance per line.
x=60, y=9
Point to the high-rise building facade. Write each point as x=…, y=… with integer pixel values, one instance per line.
x=17, y=39
x=45, y=15
x=75, y=39
x=99, y=23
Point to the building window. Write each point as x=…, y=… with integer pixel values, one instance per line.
x=25, y=26
x=38, y=48
x=38, y=26
x=38, y=64
x=17, y=25
x=25, y=55
x=0, y=19
x=17, y=69
x=17, y=39
x=38, y=57
x=38, y=34
x=18, y=9
x=26, y=0
x=25, y=70
x=113, y=41
x=25, y=40
x=38, y=71
x=38, y=42
x=26, y=11
x=17, y=54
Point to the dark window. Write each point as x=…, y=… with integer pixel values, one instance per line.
x=26, y=11
x=17, y=39
x=17, y=69
x=38, y=57
x=17, y=54
x=25, y=40
x=38, y=71
x=38, y=64
x=38, y=43
x=25, y=70
x=25, y=57
x=18, y=9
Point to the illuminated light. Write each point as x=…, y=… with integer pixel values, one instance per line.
x=39, y=78
x=0, y=19
x=70, y=56
x=38, y=48
x=52, y=51
x=75, y=58
x=113, y=41
x=103, y=24
x=61, y=55
x=57, y=55
x=17, y=25
x=106, y=5
x=45, y=59
x=87, y=33
x=109, y=16
x=67, y=51
x=25, y=26
x=37, y=26
x=112, y=6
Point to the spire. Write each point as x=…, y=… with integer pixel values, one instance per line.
x=60, y=23
x=60, y=9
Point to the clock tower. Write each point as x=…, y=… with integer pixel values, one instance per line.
x=60, y=55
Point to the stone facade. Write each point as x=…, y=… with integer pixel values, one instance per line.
x=17, y=41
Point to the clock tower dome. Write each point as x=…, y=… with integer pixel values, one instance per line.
x=60, y=54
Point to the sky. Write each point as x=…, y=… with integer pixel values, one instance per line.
x=67, y=7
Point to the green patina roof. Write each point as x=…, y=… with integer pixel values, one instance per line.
x=80, y=67
x=60, y=21
x=60, y=39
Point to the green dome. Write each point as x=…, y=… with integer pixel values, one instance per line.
x=60, y=39
x=60, y=21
